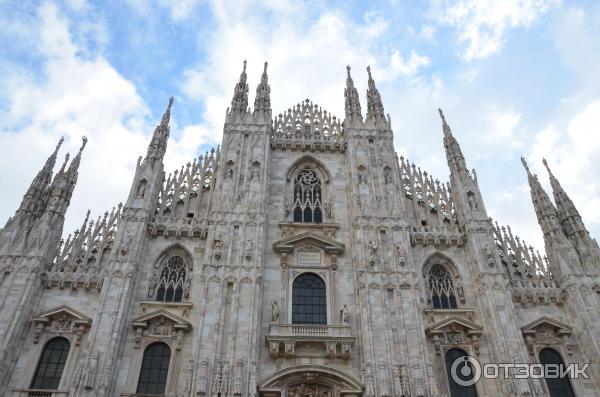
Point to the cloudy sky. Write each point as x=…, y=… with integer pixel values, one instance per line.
x=514, y=77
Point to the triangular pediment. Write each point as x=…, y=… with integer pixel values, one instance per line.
x=454, y=322
x=145, y=319
x=547, y=322
x=288, y=244
x=62, y=311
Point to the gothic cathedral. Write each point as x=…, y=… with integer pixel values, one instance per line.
x=301, y=258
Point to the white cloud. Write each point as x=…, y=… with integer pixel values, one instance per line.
x=408, y=66
x=75, y=96
x=483, y=24
x=574, y=159
x=307, y=56
x=503, y=125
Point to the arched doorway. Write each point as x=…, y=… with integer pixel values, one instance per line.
x=309, y=381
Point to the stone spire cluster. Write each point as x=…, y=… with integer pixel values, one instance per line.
x=352, y=101
x=239, y=103
x=158, y=145
x=375, y=109
x=454, y=156
x=262, y=102
x=33, y=201
x=567, y=213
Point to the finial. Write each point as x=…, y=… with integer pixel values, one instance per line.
x=442, y=115
x=265, y=69
x=369, y=71
x=84, y=140
x=525, y=164
x=348, y=70
x=59, y=144
x=245, y=62
x=547, y=166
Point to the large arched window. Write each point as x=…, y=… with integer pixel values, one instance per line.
x=155, y=368
x=463, y=370
x=309, y=300
x=557, y=387
x=172, y=279
x=52, y=362
x=308, y=197
x=441, y=288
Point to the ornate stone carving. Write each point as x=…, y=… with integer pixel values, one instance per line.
x=274, y=311
x=203, y=376
x=547, y=331
x=61, y=320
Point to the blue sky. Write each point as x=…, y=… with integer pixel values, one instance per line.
x=514, y=77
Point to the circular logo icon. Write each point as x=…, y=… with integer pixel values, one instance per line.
x=465, y=371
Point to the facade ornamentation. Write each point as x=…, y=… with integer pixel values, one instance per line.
x=302, y=256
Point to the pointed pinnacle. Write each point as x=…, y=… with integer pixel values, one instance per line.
x=525, y=165
x=84, y=140
x=167, y=115
x=547, y=166
x=265, y=69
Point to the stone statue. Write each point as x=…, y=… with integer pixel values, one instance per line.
x=345, y=314
x=372, y=247
x=274, y=311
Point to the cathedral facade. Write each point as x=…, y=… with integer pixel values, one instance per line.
x=302, y=258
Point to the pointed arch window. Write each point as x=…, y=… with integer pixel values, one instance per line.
x=308, y=197
x=309, y=300
x=155, y=369
x=441, y=288
x=51, y=365
x=557, y=387
x=172, y=280
x=464, y=370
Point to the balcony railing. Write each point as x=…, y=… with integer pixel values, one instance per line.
x=337, y=339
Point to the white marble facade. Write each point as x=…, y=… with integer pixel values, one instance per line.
x=204, y=261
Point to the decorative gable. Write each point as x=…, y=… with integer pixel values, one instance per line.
x=288, y=244
x=455, y=331
x=547, y=331
x=61, y=320
x=160, y=324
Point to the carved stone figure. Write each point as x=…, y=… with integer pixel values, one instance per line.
x=345, y=314
x=274, y=311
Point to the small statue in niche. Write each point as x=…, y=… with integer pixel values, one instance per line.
x=248, y=249
x=328, y=212
x=487, y=254
x=372, y=247
x=472, y=201
x=274, y=311
x=400, y=255
x=345, y=314
x=218, y=246
x=287, y=207
x=141, y=189
x=255, y=172
x=362, y=178
x=387, y=175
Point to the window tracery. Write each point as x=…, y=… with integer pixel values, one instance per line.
x=442, y=293
x=171, y=279
x=308, y=197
